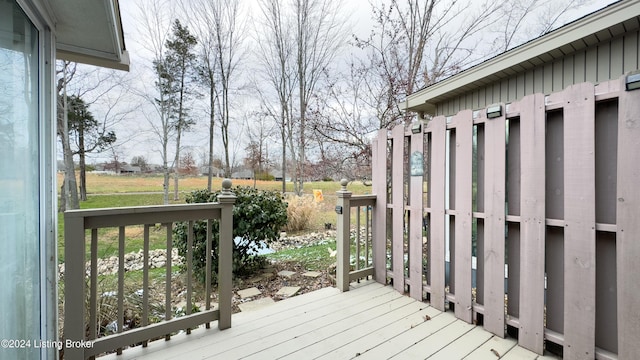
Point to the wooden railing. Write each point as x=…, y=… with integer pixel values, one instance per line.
x=83, y=335
x=360, y=237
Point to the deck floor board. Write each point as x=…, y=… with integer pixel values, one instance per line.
x=371, y=321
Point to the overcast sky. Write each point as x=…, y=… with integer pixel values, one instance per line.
x=134, y=132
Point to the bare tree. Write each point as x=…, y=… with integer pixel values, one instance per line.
x=319, y=34
x=69, y=193
x=258, y=132
x=200, y=17
x=524, y=19
x=275, y=53
x=155, y=22
x=416, y=43
x=229, y=36
x=297, y=45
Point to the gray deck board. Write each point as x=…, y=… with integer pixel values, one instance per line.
x=370, y=321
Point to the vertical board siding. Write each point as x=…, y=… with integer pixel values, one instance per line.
x=463, y=230
x=608, y=60
x=494, y=222
x=415, y=223
x=579, y=215
x=628, y=231
x=532, y=223
x=397, y=220
x=436, y=260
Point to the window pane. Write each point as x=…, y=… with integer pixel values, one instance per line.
x=19, y=181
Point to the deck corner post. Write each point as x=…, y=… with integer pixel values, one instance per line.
x=225, y=255
x=74, y=282
x=343, y=236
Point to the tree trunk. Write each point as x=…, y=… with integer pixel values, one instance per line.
x=70, y=174
x=176, y=169
x=211, y=130
x=83, y=167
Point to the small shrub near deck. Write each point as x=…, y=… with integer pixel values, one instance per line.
x=300, y=212
x=258, y=217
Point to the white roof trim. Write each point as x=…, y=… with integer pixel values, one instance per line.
x=589, y=25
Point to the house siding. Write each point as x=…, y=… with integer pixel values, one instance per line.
x=597, y=63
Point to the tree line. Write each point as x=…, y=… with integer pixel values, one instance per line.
x=315, y=89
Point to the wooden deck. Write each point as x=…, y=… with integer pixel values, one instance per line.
x=371, y=321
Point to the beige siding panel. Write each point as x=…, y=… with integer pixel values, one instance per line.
x=379, y=180
x=469, y=101
x=494, y=224
x=397, y=217
x=415, y=223
x=512, y=89
x=538, y=79
x=628, y=232
x=463, y=198
x=579, y=215
x=529, y=82
x=567, y=71
x=558, y=75
x=520, y=85
x=482, y=97
x=591, y=65
x=476, y=102
x=504, y=91
x=547, y=78
x=617, y=57
x=580, y=67
x=437, y=224
x=630, y=56
x=604, y=62
x=495, y=94
x=532, y=223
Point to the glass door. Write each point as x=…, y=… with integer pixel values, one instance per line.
x=19, y=182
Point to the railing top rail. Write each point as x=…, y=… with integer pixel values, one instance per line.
x=362, y=200
x=155, y=214
x=142, y=209
x=365, y=197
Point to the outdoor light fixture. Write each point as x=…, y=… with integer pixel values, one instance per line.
x=416, y=128
x=494, y=111
x=632, y=81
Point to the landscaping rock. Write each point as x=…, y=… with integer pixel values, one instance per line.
x=249, y=293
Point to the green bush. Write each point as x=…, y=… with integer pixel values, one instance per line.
x=264, y=176
x=258, y=217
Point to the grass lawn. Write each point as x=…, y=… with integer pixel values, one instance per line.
x=106, y=191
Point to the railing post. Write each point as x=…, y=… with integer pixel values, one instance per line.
x=225, y=255
x=74, y=280
x=343, y=236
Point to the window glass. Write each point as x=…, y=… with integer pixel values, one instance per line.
x=19, y=181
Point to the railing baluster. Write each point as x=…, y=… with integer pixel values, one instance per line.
x=167, y=289
x=207, y=285
x=367, y=237
x=358, y=238
x=120, y=281
x=145, y=280
x=93, y=294
x=189, y=268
